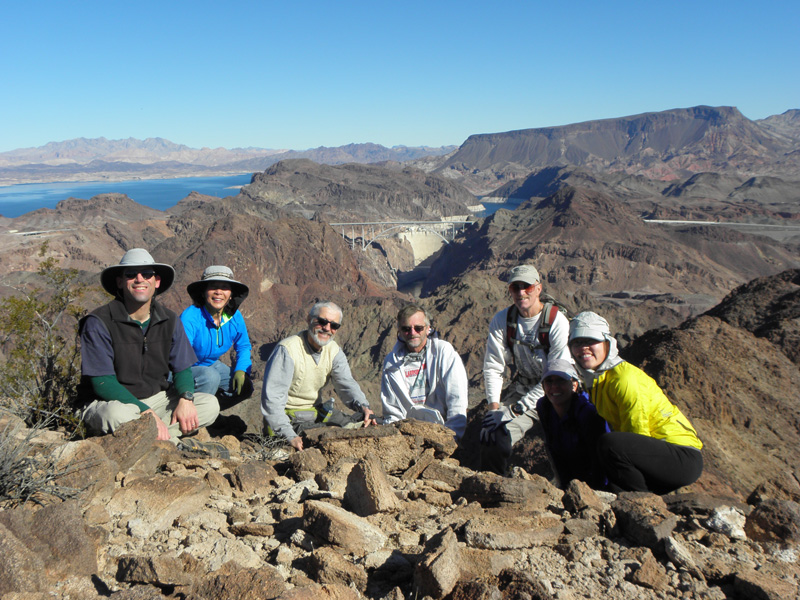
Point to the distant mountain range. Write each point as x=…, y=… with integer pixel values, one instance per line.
x=84, y=158
x=668, y=145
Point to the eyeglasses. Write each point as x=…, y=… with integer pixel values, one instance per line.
x=520, y=286
x=145, y=273
x=324, y=322
x=407, y=328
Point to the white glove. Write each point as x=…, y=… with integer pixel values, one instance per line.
x=492, y=421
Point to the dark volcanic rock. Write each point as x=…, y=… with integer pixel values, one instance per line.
x=768, y=307
x=594, y=252
x=643, y=518
x=739, y=391
x=775, y=521
x=358, y=192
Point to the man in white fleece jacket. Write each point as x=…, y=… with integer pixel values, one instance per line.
x=518, y=342
x=423, y=377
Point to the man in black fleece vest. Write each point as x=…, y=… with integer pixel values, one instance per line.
x=129, y=348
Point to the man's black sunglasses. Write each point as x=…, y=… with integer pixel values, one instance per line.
x=145, y=273
x=407, y=328
x=323, y=322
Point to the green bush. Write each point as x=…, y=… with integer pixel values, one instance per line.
x=39, y=378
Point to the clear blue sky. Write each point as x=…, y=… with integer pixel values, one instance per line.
x=297, y=75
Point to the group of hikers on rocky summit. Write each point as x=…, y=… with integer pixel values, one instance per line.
x=605, y=421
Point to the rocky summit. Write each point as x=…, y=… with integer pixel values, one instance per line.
x=688, y=246
x=385, y=513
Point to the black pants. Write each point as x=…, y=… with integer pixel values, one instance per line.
x=638, y=463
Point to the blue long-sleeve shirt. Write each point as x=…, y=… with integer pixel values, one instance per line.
x=210, y=342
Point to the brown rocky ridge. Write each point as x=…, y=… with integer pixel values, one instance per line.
x=712, y=197
x=358, y=193
x=593, y=249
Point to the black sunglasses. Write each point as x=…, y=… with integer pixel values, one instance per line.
x=323, y=322
x=145, y=273
x=407, y=328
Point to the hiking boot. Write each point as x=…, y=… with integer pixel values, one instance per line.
x=209, y=449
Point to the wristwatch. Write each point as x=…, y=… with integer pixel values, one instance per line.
x=188, y=395
x=518, y=408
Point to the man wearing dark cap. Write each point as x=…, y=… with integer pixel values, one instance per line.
x=129, y=348
x=526, y=336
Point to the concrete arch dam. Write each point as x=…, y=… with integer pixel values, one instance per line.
x=425, y=237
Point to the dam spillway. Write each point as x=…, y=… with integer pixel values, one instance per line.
x=425, y=238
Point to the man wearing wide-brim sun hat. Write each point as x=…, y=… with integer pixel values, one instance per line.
x=129, y=349
x=214, y=325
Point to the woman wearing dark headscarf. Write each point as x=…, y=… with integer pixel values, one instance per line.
x=652, y=446
x=214, y=325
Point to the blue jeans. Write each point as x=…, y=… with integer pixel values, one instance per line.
x=212, y=378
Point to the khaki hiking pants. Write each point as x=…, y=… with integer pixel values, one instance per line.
x=102, y=417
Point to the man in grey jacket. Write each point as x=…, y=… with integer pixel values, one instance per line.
x=297, y=371
x=423, y=377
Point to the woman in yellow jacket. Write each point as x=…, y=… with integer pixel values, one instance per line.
x=652, y=446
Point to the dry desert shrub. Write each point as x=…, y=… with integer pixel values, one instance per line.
x=28, y=471
x=40, y=367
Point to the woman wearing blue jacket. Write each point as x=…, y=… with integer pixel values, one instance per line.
x=214, y=325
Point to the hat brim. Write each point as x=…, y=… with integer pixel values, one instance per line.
x=108, y=278
x=522, y=279
x=196, y=289
x=562, y=374
x=587, y=334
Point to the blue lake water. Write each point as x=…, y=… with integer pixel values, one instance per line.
x=492, y=207
x=16, y=200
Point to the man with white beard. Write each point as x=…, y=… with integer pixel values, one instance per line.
x=297, y=371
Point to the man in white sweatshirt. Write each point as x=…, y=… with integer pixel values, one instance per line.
x=423, y=377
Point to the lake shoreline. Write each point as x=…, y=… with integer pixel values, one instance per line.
x=103, y=177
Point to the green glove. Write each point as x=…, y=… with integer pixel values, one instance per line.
x=238, y=382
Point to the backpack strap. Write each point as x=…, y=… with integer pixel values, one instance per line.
x=549, y=312
x=511, y=326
